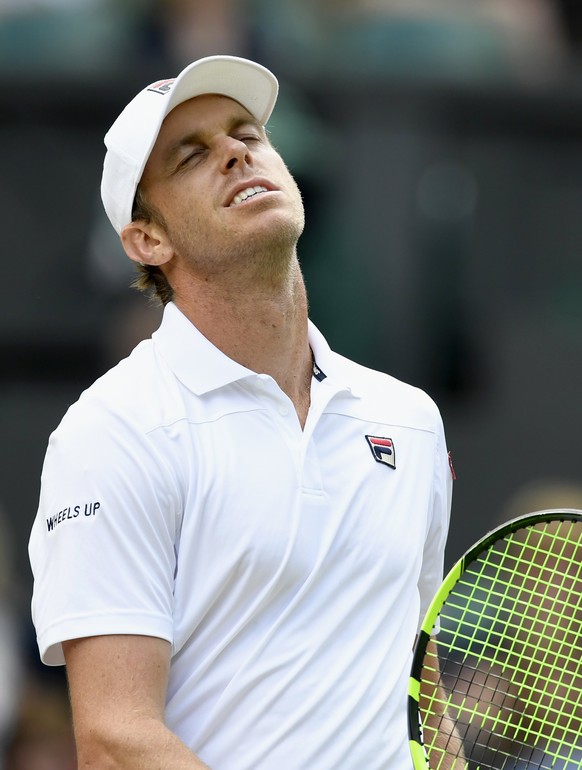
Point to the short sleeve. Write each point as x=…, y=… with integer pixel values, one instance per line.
x=102, y=547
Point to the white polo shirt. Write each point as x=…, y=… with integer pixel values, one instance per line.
x=288, y=568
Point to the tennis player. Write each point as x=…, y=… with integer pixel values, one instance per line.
x=239, y=530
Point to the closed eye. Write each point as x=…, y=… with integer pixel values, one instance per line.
x=191, y=158
x=248, y=138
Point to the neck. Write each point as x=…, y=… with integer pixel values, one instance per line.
x=264, y=328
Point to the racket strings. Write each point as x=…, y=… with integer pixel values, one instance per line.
x=510, y=653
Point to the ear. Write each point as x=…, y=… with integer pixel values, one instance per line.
x=146, y=243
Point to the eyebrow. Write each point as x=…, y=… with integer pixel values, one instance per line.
x=196, y=138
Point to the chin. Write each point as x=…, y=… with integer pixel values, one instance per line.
x=282, y=238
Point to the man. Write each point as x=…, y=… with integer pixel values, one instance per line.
x=239, y=529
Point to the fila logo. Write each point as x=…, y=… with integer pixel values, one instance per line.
x=162, y=86
x=383, y=450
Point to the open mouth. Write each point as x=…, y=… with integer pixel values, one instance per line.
x=249, y=192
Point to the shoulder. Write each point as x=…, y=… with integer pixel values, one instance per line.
x=390, y=399
x=132, y=399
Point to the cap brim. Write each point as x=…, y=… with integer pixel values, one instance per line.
x=247, y=82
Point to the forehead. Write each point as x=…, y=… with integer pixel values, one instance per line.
x=207, y=113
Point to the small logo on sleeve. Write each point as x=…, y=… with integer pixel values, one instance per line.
x=382, y=450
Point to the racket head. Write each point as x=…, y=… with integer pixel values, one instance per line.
x=505, y=663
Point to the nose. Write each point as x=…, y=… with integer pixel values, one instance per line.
x=235, y=153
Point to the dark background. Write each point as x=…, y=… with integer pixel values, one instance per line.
x=443, y=245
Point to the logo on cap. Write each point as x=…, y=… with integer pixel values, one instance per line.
x=382, y=449
x=162, y=86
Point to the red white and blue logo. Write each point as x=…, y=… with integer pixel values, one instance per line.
x=383, y=450
x=162, y=86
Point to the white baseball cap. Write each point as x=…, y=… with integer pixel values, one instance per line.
x=131, y=138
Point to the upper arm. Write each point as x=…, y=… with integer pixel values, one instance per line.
x=117, y=685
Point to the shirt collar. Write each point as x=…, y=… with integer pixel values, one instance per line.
x=329, y=362
x=202, y=367
x=195, y=361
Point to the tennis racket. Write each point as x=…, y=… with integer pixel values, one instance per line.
x=496, y=680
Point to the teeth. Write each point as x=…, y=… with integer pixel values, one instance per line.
x=248, y=193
